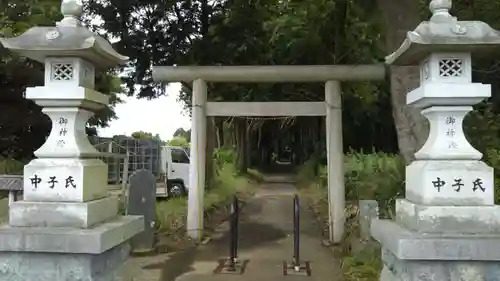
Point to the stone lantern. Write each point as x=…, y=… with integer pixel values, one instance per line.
x=67, y=227
x=447, y=227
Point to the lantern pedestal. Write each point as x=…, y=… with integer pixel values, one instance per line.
x=67, y=228
x=447, y=228
x=66, y=253
x=408, y=255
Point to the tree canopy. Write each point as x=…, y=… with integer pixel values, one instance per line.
x=178, y=141
x=182, y=133
x=291, y=32
x=141, y=135
x=240, y=32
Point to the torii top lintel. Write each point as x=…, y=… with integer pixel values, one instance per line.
x=269, y=74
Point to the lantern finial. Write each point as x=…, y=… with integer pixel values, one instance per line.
x=72, y=10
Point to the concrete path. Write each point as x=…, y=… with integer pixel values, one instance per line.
x=266, y=240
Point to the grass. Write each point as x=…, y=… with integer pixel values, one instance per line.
x=375, y=176
x=364, y=265
x=360, y=262
x=11, y=167
x=171, y=214
x=255, y=175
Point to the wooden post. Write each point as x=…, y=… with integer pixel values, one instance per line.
x=125, y=176
x=335, y=156
x=196, y=188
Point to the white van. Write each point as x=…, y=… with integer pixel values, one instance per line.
x=174, y=167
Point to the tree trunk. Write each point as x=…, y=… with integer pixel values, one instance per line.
x=209, y=166
x=230, y=134
x=411, y=127
x=248, y=146
x=241, y=144
x=219, y=131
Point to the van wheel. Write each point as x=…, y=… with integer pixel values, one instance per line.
x=176, y=189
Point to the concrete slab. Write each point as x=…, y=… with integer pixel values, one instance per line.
x=407, y=245
x=63, y=214
x=70, y=240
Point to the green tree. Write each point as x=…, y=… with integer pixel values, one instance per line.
x=151, y=31
x=178, y=141
x=141, y=135
x=290, y=32
x=182, y=133
x=263, y=32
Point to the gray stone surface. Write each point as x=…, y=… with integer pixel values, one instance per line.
x=408, y=245
x=446, y=34
x=141, y=201
x=11, y=182
x=63, y=214
x=107, y=266
x=70, y=240
x=265, y=239
x=432, y=270
x=368, y=210
x=67, y=41
x=386, y=275
x=448, y=219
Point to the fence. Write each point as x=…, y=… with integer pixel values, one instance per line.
x=127, y=155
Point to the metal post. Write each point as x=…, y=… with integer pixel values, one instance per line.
x=296, y=229
x=296, y=266
x=236, y=208
x=233, y=235
x=232, y=265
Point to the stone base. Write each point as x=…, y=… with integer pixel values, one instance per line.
x=437, y=270
x=70, y=240
x=412, y=256
x=409, y=245
x=65, y=180
x=62, y=214
x=448, y=219
x=450, y=183
x=28, y=266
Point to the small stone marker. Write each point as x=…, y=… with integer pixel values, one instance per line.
x=141, y=200
x=368, y=210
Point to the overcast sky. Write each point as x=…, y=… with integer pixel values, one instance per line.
x=158, y=116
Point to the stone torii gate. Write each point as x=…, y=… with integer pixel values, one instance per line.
x=331, y=108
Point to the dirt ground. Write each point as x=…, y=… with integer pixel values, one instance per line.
x=150, y=266
x=266, y=241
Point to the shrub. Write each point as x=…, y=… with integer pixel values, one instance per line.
x=222, y=156
x=375, y=176
x=10, y=166
x=171, y=214
x=364, y=265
